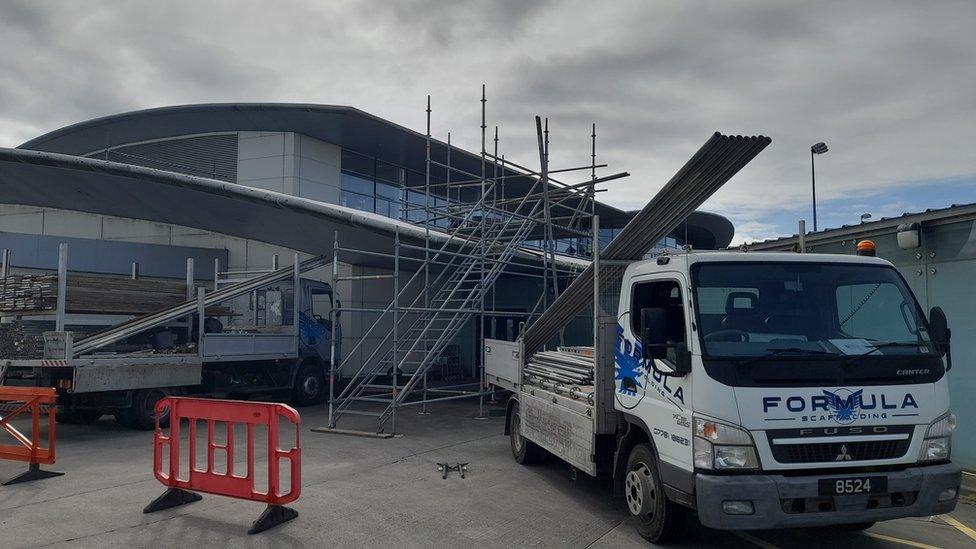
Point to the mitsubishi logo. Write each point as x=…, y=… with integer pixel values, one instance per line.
x=843, y=455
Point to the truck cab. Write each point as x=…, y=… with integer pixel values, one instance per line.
x=771, y=390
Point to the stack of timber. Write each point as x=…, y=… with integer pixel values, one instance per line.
x=32, y=293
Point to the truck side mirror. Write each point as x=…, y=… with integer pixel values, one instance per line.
x=337, y=309
x=654, y=332
x=941, y=334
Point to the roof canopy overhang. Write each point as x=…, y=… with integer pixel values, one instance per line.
x=96, y=186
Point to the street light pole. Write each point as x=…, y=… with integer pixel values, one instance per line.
x=818, y=148
x=813, y=184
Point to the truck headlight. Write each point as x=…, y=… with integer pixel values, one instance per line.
x=723, y=447
x=937, y=445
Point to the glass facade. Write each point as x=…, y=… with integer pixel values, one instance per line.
x=375, y=186
x=580, y=246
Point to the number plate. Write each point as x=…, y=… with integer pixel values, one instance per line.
x=846, y=486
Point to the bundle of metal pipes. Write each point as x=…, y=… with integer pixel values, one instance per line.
x=561, y=367
x=565, y=390
x=721, y=157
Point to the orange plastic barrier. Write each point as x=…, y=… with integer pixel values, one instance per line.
x=36, y=400
x=187, y=413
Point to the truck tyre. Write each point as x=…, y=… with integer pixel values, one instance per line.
x=142, y=414
x=78, y=417
x=524, y=450
x=309, y=385
x=658, y=519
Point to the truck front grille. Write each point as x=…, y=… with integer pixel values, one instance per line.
x=863, y=450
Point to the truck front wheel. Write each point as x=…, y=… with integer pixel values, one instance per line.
x=658, y=518
x=525, y=451
x=309, y=385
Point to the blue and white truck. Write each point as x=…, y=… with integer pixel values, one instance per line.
x=253, y=334
x=752, y=390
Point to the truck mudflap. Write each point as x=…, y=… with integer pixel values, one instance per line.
x=779, y=501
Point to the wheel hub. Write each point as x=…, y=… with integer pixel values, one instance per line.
x=639, y=491
x=311, y=385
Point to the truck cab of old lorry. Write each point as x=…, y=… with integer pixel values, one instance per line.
x=780, y=390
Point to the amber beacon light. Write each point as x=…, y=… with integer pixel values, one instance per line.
x=866, y=247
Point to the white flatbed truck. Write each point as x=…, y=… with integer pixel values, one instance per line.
x=756, y=390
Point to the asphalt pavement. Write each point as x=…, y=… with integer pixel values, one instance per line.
x=367, y=492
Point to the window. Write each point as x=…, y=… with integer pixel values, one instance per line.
x=865, y=311
x=389, y=172
x=357, y=201
x=388, y=198
x=357, y=184
x=415, y=206
x=664, y=294
x=359, y=164
x=372, y=185
x=750, y=308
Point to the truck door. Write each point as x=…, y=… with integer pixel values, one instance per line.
x=661, y=402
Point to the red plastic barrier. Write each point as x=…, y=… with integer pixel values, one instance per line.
x=203, y=477
x=36, y=400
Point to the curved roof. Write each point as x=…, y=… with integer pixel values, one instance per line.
x=345, y=126
x=96, y=186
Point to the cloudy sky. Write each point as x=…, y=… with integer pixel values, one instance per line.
x=890, y=86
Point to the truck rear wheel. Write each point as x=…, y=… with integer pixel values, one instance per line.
x=525, y=451
x=658, y=518
x=142, y=413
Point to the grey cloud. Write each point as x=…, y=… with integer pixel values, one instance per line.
x=888, y=85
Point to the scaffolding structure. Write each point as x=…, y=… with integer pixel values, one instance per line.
x=442, y=285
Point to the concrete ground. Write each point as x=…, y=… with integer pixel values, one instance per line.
x=363, y=492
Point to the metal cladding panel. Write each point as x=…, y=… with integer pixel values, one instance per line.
x=712, y=166
x=213, y=156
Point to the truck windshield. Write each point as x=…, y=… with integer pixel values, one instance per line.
x=806, y=309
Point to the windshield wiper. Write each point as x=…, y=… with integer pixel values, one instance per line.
x=884, y=345
x=776, y=351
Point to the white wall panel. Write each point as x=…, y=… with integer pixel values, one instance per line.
x=259, y=145
x=17, y=221
x=68, y=223
x=259, y=168
x=324, y=152
x=118, y=228
x=317, y=191
x=320, y=172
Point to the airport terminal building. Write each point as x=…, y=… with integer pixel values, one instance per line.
x=234, y=185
